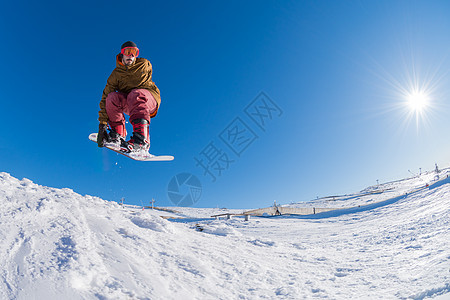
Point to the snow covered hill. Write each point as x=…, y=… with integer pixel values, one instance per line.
x=378, y=193
x=57, y=244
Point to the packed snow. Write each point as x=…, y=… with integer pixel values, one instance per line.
x=57, y=244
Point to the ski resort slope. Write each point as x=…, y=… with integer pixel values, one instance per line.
x=57, y=244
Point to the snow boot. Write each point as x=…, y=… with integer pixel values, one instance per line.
x=140, y=140
x=117, y=134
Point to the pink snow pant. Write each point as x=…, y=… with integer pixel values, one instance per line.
x=138, y=104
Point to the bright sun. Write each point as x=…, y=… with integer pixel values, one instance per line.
x=417, y=101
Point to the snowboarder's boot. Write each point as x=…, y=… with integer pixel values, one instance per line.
x=117, y=135
x=140, y=140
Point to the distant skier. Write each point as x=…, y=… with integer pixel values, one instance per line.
x=129, y=90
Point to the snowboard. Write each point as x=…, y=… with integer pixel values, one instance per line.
x=140, y=156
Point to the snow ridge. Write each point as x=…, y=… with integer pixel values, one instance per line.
x=57, y=244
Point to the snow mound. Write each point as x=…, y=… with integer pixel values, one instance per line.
x=152, y=222
x=217, y=228
x=57, y=244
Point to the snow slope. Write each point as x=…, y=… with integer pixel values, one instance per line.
x=57, y=244
x=381, y=192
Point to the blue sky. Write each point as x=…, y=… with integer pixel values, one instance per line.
x=333, y=74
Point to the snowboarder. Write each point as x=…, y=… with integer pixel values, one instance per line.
x=129, y=90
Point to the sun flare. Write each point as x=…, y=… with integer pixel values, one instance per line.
x=414, y=89
x=418, y=101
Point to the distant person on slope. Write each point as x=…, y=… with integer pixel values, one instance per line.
x=129, y=90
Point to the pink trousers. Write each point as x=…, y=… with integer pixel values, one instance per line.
x=138, y=104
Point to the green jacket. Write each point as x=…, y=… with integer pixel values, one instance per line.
x=125, y=79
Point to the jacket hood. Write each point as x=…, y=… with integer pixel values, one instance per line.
x=119, y=60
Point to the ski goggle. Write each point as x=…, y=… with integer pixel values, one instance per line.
x=130, y=51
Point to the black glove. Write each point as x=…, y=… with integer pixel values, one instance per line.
x=102, y=135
